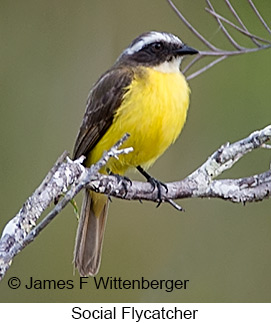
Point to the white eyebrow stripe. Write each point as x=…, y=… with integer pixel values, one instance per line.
x=151, y=38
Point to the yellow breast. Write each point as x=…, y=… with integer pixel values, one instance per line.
x=153, y=112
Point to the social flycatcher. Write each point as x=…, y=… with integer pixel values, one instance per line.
x=143, y=94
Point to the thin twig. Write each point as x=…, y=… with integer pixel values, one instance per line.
x=234, y=52
x=259, y=16
x=241, y=22
x=205, y=68
x=227, y=34
x=194, y=60
x=189, y=26
x=214, y=51
x=245, y=32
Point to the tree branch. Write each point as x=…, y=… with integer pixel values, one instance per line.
x=70, y=177
x=64, y=178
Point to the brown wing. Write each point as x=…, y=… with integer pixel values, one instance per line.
x=104, y=99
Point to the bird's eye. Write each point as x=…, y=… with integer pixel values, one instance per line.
x=156, y=47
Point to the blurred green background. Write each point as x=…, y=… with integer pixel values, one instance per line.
x=51, y=54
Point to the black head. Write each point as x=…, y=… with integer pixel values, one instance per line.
x=154, y=48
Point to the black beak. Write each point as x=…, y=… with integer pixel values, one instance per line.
x=185, y=50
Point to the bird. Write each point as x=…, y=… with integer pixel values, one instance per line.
x=145, y=95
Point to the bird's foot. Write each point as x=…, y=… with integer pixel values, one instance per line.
x=159, y=185
x=155, y=184
x=122, y=180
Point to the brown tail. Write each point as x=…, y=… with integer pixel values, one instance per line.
x=90, y=233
